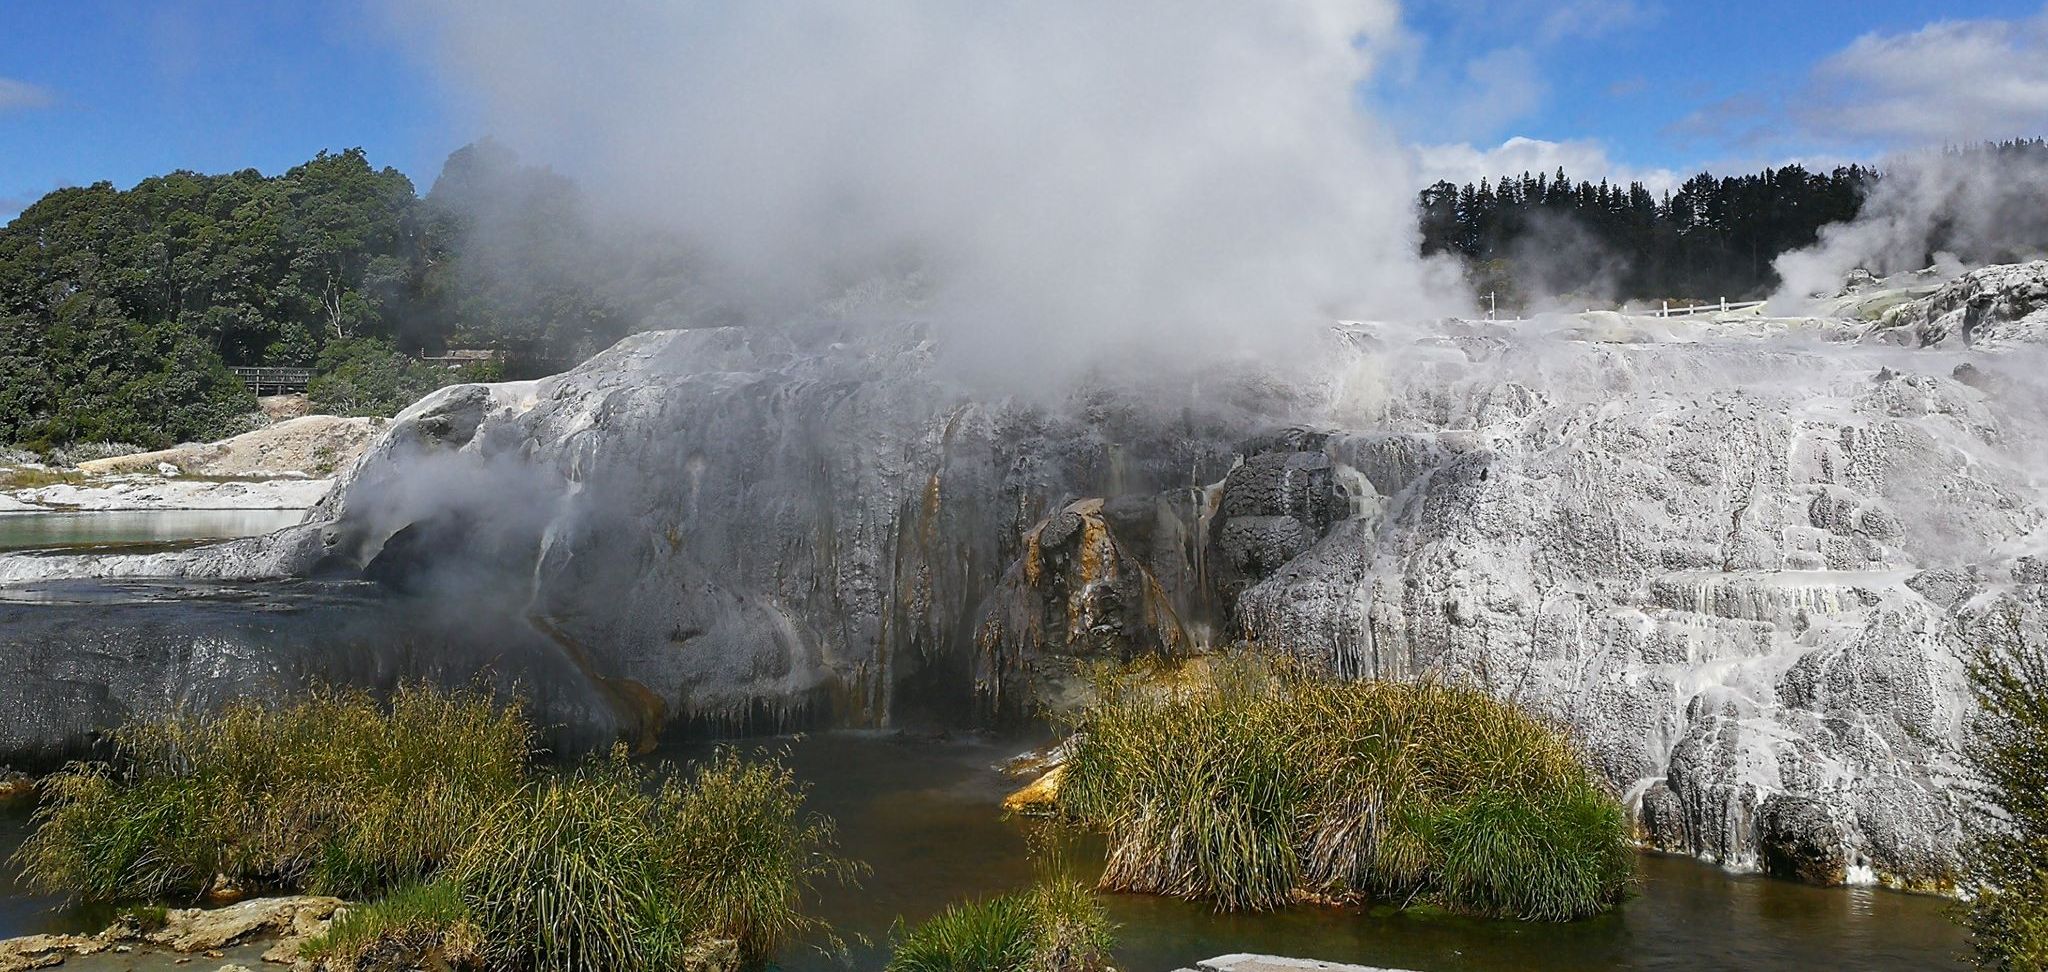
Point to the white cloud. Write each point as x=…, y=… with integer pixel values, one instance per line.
x=1951, y=81
x=1582, y=160
x=21, y=95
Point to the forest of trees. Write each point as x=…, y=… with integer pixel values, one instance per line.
x=1713, y=237
x=121, y=311
x=1531, y=236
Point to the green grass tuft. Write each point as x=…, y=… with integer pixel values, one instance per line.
x=2006, y=861
x=1246, y=782
x=419, y=926
x=744, y=852
x=603, y=869
x=1056, y=927
x=334, y=794
x=432, y=802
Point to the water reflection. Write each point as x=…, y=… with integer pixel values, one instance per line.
x=49, y=531
x=925, y=815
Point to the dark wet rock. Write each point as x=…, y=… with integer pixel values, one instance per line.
x=1801, y=841
x=1292, y=484
x=1660, y=820
x=1079, y=590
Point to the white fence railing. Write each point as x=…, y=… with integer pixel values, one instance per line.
x=1721, y=308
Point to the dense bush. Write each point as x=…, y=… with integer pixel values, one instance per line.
x=1244, y=781
x=1056, y=927
x=366, y=376
x=2008, y=860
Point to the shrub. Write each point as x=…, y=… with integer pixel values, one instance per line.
x=1056, y=927
x=419, y=926
x=366, y=376
x=2007, y=864
x=1246, y=781
x=334, y=793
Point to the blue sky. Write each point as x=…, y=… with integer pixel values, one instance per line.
x=1652, y=89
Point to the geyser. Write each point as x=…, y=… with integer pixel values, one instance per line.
x=1069, y=179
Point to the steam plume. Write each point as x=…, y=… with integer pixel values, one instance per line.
x=1954, y=208
x=1070, y=177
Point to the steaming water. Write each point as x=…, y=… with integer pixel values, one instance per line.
x=40, y=531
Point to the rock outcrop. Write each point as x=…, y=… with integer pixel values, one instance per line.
x=315, y=446
x=1735, y=559
x=287, y=920
x=1993, y=305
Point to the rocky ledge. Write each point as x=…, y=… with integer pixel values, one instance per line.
x=281, y=924
x=289, y=465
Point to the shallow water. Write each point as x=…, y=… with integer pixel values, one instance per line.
x=925, y=815
x=135, y=528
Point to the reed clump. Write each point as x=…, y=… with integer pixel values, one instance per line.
x=432, y=808
x=1249, y=782
x=333, y=794
x=1054, y=927
x=602, y=869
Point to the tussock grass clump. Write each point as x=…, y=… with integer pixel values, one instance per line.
x=1246, y=781
x=334, y=794
x=433, y=801
x=603, y=869
x=743, y=852
x=1055, y=927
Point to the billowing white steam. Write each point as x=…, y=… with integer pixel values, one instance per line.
x=1074, y=176
x=1958, y=209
